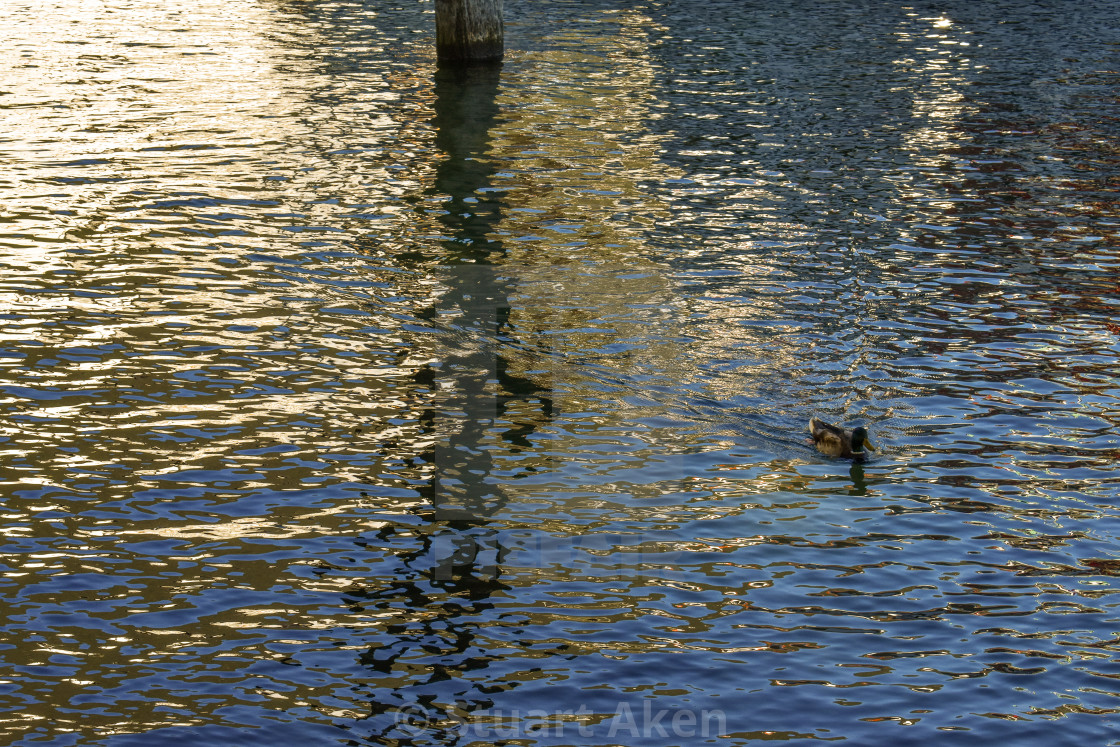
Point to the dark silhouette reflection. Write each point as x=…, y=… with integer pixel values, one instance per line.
x=425, y=655
x=466, y=110
x=859, y=485
x=448, y=568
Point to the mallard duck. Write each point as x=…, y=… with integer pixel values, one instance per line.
x=835, y=441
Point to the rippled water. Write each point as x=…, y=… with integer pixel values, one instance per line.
x=345, y=401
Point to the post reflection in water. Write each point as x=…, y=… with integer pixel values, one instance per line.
x=474, y=381
x=457, y=566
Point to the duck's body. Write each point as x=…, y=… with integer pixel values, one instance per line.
x=835, y=441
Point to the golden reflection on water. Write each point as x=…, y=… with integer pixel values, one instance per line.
x=939, y=59
x=202, y=96
x=112, y=87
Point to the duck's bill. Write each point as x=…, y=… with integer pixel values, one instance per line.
x=867, y=445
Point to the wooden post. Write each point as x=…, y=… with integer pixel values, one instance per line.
x=469, y=31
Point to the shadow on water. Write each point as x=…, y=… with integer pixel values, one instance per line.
x=476, y=297
x=454, y=568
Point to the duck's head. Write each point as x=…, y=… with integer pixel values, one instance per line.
x=860, y=440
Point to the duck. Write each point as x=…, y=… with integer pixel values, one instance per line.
x=835, y=441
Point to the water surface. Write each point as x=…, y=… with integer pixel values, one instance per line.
x=348, y=401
